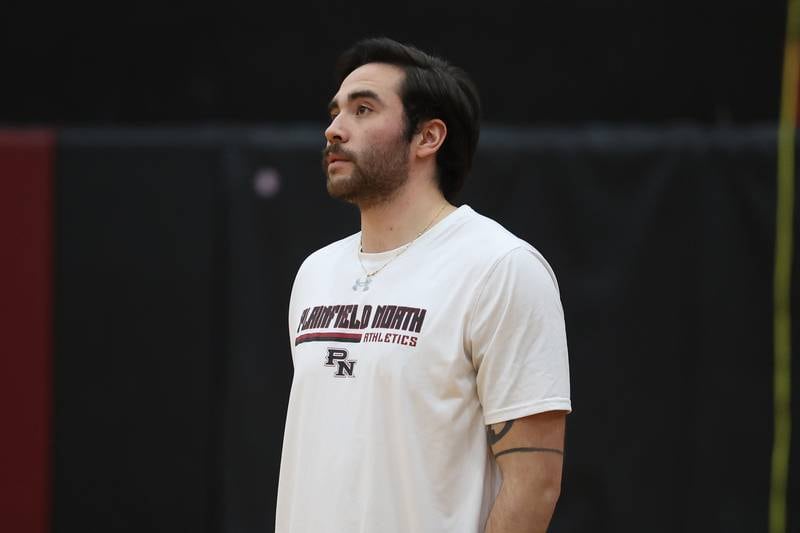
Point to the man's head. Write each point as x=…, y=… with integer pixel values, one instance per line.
x=389, y=95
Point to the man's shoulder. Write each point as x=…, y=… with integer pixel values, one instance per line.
x=488, y=237
x=483, y=243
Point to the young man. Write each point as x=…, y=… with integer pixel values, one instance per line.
x=423, y=334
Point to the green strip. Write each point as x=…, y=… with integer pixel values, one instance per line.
x=783, y=274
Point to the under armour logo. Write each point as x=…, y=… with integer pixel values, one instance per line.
x=362, y=285
x=338, y=357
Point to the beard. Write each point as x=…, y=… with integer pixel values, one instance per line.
x=377, y=172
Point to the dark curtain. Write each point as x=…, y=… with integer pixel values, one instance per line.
x=177, y=250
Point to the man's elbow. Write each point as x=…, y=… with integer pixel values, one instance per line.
x=550, y=492
x=543, y=491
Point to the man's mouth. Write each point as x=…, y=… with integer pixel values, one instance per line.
x=332, y=160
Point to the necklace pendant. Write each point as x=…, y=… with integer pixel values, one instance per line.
x=362, y=284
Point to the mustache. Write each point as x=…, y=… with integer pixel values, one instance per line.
x=336, y=149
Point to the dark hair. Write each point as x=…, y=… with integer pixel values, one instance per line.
x=432, y=89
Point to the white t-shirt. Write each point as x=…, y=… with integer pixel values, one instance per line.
x=394, y=385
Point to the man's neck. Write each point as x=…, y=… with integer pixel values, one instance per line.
x=400, y=220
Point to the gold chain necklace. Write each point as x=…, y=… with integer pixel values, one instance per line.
x=363, y=283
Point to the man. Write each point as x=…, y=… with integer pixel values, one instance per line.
x=423, y=334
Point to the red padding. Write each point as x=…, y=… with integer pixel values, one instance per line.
x=26, y=289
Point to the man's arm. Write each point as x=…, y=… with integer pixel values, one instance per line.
x=529, y=452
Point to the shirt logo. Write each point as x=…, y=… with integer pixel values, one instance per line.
x=329, y=321
x=362, y=286
x=338, y=357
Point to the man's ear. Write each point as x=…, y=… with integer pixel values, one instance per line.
x=430, y=137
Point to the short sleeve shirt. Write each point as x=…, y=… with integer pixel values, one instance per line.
x=396, y=379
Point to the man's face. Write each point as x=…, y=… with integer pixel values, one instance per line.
x=366, y=156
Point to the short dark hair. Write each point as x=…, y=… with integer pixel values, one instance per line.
x=432, y=89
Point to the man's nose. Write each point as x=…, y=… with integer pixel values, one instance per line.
x=335, y=132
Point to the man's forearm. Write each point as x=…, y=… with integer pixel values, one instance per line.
x=523, y=506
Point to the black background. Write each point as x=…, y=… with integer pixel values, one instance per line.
x=546, y=62
x=173, y=365
x=632, y=142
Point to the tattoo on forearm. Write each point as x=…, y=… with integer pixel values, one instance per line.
x=512, y=450
x=494, y=437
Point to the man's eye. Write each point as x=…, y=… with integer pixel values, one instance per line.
x=360, y=110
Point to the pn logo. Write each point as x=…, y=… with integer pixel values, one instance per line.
x=344, y=367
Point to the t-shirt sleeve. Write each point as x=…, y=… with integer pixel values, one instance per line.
x=518, y=340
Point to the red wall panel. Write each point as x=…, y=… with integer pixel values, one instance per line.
x=26, y=244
